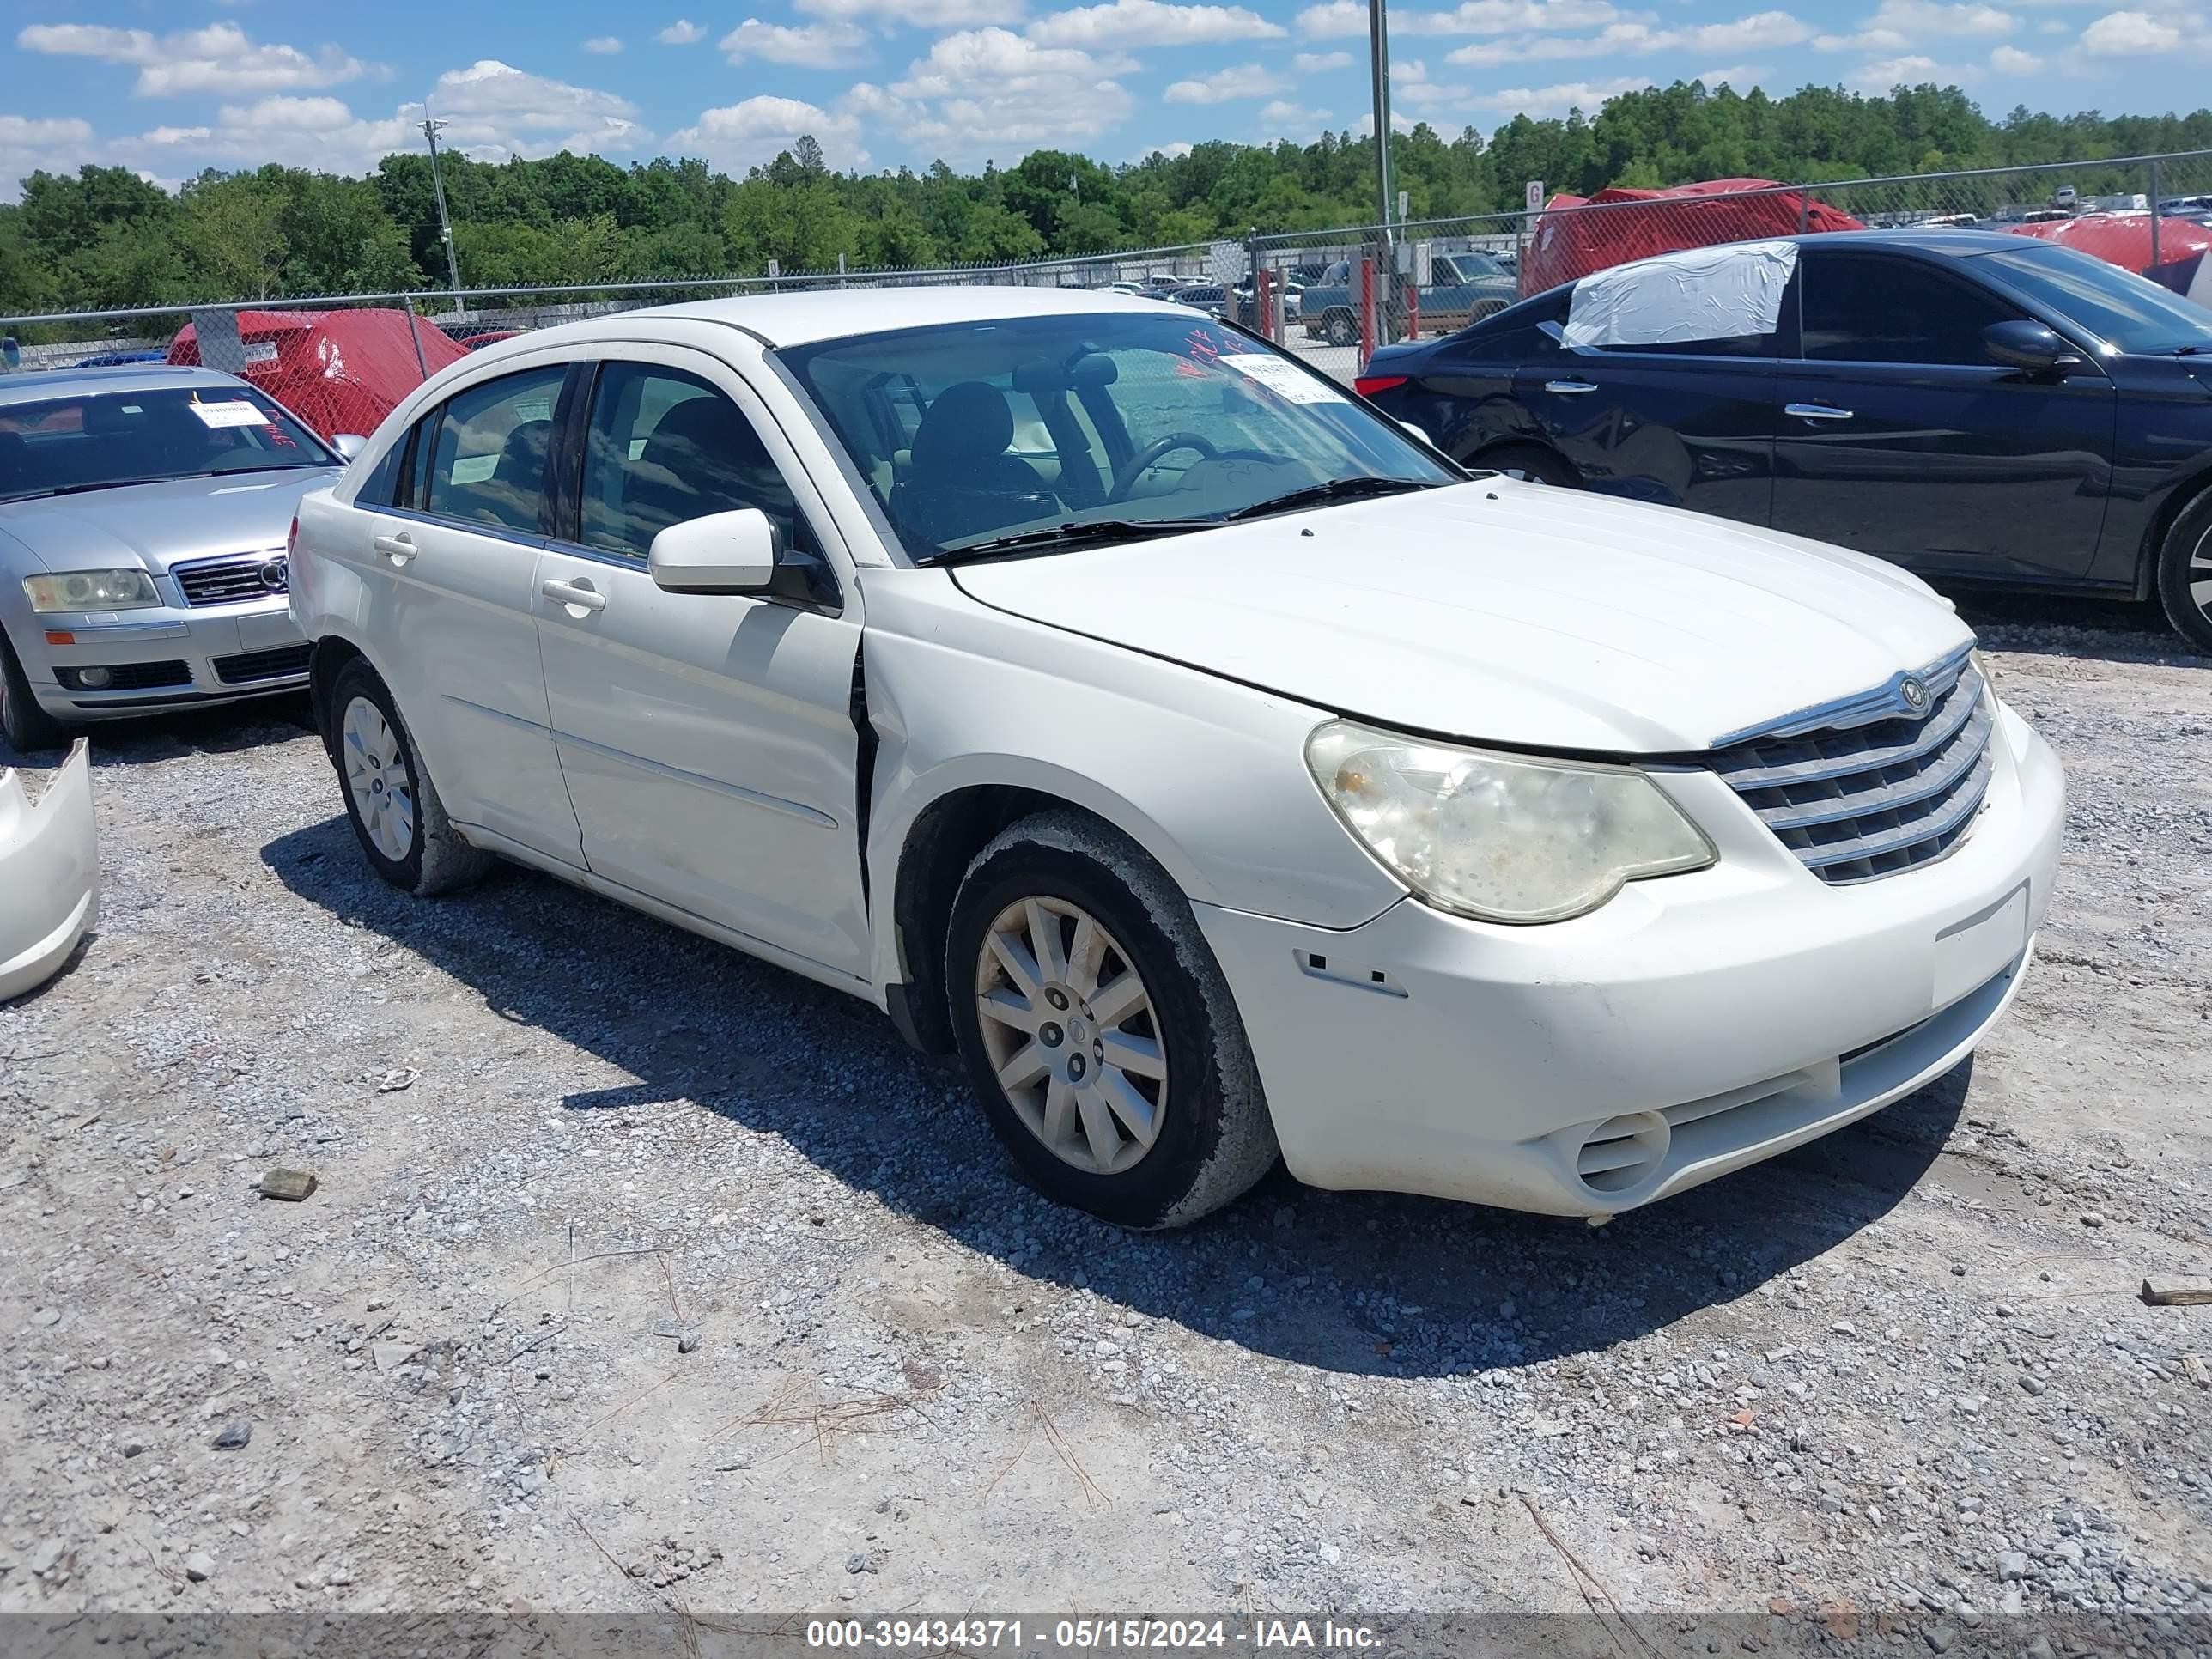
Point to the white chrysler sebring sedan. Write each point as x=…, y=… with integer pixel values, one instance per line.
x=1221, y=772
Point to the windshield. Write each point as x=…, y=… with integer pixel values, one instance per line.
x=104, y=439
x=2127, y=311
x=971, y=434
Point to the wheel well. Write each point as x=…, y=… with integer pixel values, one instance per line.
x=2184, y=497
x=324, y=663
x=939, y=846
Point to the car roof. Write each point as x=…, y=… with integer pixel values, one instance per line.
x=803, y=318
x=36, y=385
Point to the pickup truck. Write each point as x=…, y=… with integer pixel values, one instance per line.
x=1463, y=289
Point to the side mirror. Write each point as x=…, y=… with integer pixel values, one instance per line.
x=349, y=444
x=2030, y=346
x=722, y=553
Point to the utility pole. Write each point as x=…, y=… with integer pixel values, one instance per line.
x=431, y=128
x=1378, y=43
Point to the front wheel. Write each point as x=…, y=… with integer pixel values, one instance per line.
x=22, y=722
x=1339, y=330
x=1097, y=1029
x=393, y=806
x=2185, y=574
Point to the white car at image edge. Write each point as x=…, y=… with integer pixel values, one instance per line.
x=1213, y=766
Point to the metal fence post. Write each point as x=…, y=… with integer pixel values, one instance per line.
x=2154, y=216
x=415, y=335
x=1414, y=307
x=1366, y=309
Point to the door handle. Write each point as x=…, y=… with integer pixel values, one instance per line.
x=398, y=549
x=1816, y=411
x=1570, y=388
x=582, y=595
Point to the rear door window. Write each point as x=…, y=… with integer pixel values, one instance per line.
x=488, y=449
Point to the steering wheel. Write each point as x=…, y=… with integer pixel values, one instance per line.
x=1125, y=479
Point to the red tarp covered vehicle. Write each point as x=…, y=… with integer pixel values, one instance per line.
x=339, y=371
x=2124, y=239
x=1567, y=246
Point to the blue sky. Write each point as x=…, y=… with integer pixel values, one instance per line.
x=168, y=87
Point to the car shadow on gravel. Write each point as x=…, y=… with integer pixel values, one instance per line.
x=2074, y=625
x=1352, y=1282
x=224, y=729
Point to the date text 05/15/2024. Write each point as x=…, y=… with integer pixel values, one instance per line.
x=1108, y=1635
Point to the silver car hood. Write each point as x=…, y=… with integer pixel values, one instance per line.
x=160, y=525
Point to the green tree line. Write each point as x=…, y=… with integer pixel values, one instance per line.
x=103, y=237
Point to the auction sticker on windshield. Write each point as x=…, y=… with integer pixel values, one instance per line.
x=238, y=413
x=1286, y=379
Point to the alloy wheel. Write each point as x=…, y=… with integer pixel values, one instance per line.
x=1072, y=1034
x=376, y=778
x=2199, y=576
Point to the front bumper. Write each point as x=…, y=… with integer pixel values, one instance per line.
x=161, y=656
x=1694, y=1024
x=49, y=873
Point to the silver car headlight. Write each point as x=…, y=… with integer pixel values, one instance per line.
x=1500, y=837
x=92, y=590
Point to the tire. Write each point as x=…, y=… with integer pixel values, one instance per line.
x=390, y=800
x=1338, y=329
x=1190, y=1080
x=2185, y=563
x=22, y=722
x=1531, y=465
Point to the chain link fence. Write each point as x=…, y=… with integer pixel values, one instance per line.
x=1330, y=295
x=1348, y=290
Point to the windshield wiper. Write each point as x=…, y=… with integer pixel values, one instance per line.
x=1336, y=489
x=1075, y=532
x=121, y=484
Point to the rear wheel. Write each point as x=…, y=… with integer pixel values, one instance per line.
x=393, y=806
x=1531, y=465
x=2185, y=573
x=1339, y=330
x=22, y=722
x=1097, y=1029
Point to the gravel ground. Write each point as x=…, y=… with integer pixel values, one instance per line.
x=641, y=1275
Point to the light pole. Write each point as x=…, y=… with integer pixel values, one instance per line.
x=431, y=128
x=1378, y=42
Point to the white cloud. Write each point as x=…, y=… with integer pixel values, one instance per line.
x=604, y=46
x=1912, y=69
x=920, y=14
x=1540, y=101
x=218, y=58
x=749, y=134
x=1763, y=29
x=1284, y=118
x=2011, y=60
x=1313, y=63
x=1349, y=17
x=1364, y=126
x=1153, y=23
x=2120, y=34
x=1226, y=85
x=29, y=144
x=681, y=32
x=990, y=93
x=815, y=46
x=1897, y=24
x=494, y=109
x=1174, y=151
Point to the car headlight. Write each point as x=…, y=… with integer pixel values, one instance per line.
x=1500, y=837
x=92, y=590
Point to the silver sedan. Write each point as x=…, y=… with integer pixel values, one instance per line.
x=143, y=518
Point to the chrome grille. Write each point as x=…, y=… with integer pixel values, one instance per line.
x=1856, y=802
x=231, y=580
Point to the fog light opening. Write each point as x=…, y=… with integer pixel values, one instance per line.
x=94, y=679
x=1622, y=1152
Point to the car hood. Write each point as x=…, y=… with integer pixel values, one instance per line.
x=1503, y=612
x=160, y=525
